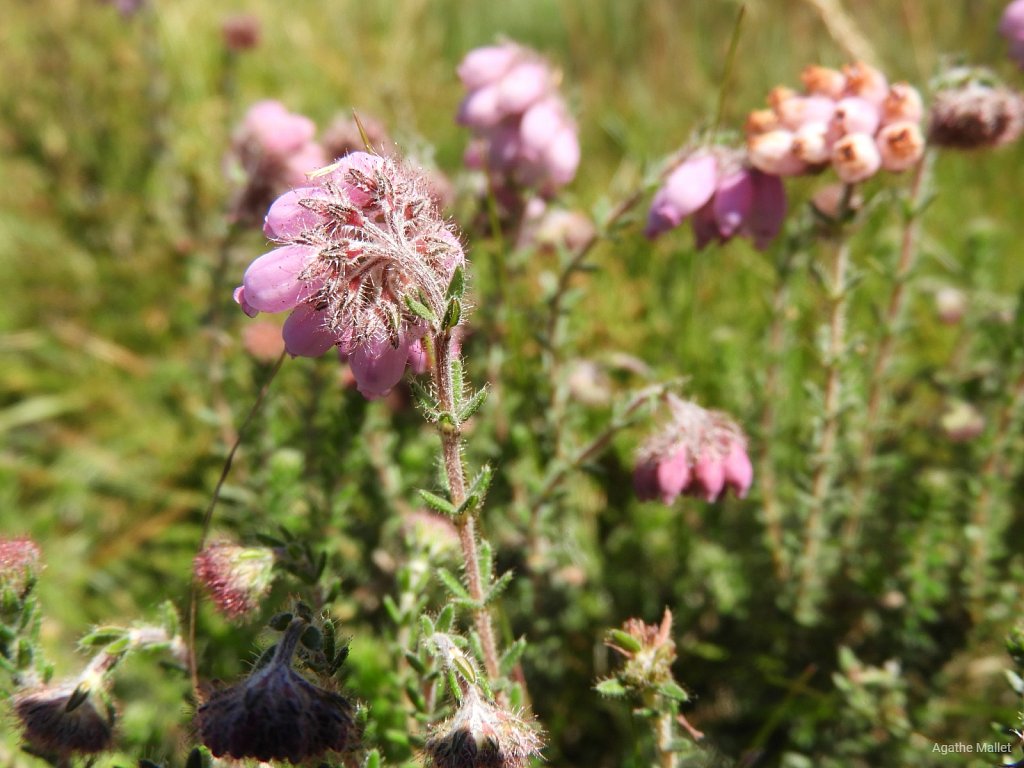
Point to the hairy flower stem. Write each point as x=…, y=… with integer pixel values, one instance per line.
x=767, y=479
x=883, y=355
x=991, y=472
x=193, y=610
x=825, y=458
x=451, y=448
x=664, y=729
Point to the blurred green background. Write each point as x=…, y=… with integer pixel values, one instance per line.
x=112, y=138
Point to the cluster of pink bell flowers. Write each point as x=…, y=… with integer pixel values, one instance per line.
x=272, y=150
x=851, y=119
x=356, y=244
x=724, y=196
x=698, y=452
x=525, y=136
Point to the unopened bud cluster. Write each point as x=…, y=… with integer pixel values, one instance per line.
x=698, y=452
x=852, y=120
x=237, y=578
x=723, y=195
x=648, y=650
x=361, y=246
x=525, y=136
x=19, y=564
x=271, y=151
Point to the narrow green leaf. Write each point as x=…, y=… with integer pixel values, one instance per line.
x=452, y=315
x=457, y=285
x=437, y=503
x=512, y=655
x=421, y=310
x=445, y=618
x=473, y=404
x=624, y=640
x=452, y=583
x=673, y=690
x=498, y=587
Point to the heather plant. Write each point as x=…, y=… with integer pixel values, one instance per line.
x=366, y=401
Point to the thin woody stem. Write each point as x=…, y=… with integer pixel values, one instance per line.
x=451, y=448
x=883, y=354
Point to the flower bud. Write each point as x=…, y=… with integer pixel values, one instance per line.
x=773, y=153
x=900, y=145
x=950, y=305
x=823, y=81
x=241, y=32
x=856, y=115
x=812, y=143
x=1011, y=26
x=762, y=121
x=237, y=578
x=688, y=187
x=855, y=158
x=19, y=563
x=962, y=422
x=903, y=102
x=648, y=650
x=866, y=82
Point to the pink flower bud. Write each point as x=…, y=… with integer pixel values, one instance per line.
x=237, y=578
x=484, y=66
x=708, y=478
x=856, y=115
x=1011, y=26
x=241, y=32
x=19, y=563
x=900, y=145
x=275, y=130
x=305, y=333
x=855, y=157
x=688, y=187
x=762, y=121
x=673, y=475
x=288, y=218
x=523, y=86
x=275, y=282
x=767, y=209
x=419, y=362
x=976, y=116
x=812, y=143
x=378, y=367
x=732, y=202
x=903, y=103
x=801, y=110
x=823, y=81
x=866, y=82
x=739, y=473
x=479, y=109
x=772, y=152
x=303, y=162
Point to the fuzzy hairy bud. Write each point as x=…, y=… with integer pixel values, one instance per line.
x=482, y=734
x=19, y=563
x=976, y=116
x=237, y=578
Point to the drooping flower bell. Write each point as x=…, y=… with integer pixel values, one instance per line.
x=972, y=110
x=722, y=196
x=698, y=452
x=276, y=713
x=361, y=246
x=525, y=134
x=65, y=720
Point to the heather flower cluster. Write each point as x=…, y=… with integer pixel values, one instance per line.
x=19, y=563
x=364, y=261
x=272, y=150
x=724, y=196
x=852, y=120
x=1011, y=26
x=237, y=578
x=698, y=453
x=525, y=136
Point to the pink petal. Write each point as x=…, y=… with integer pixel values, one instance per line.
x=239, y=297
x=673, y=475
x=732, y=202
x=306, y=334
x=486, y=65
x=563, y=156
x=272, y=282
x=523, y=85
x=378, y=367
x=287, y=219
x=708, y=478
x=739, y=473
x=480, y=108
x=767, y=210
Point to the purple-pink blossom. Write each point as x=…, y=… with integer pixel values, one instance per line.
x=354, y=246
x=698, y=452
x=722, y=196
x=1011, y=26
x=525, y=136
